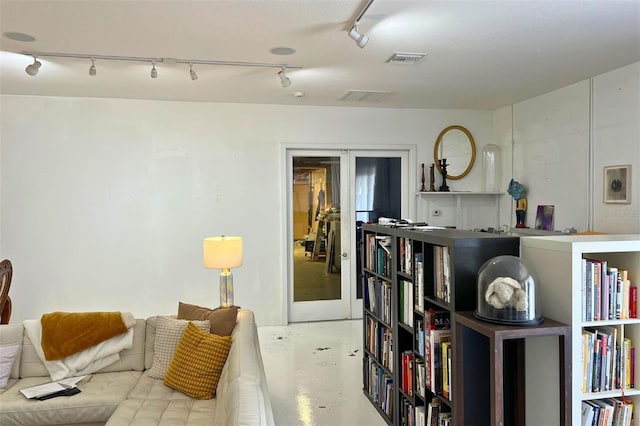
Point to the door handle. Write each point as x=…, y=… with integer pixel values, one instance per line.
x=344, y=254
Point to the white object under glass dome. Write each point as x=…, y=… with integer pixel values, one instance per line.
x=507, y=292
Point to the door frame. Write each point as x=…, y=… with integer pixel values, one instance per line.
x=317, y=310
x=287, y=220
x=405, y=207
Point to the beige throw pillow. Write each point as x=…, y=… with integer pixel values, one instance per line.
x=168, y=334
x=221, y=320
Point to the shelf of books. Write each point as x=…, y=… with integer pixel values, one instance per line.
x=413, y=280
x=591, y=282
x=378, y=365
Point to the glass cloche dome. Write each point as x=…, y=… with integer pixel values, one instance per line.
x=507, y=292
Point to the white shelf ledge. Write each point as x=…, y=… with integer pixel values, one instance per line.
x=458, y=193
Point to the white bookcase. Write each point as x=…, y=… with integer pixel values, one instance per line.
x=557, y=263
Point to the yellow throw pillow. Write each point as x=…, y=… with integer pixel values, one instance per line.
x=197, y=364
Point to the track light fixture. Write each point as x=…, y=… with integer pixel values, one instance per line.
x=32, y=69
x=284, y=80
x=360, y=39
x=193, y=74
x=352, y=26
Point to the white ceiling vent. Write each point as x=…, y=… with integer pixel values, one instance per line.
x=399, y=58
x=364, y=96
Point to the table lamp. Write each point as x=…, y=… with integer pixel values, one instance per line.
x=225, y=253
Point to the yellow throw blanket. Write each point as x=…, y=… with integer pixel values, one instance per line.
x=65, y=333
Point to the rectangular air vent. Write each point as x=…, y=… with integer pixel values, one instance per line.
x=364, y=96
x=399, y=58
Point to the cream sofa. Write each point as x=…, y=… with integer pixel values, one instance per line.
x=124, y=394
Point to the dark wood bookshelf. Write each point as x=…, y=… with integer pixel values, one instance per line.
x=466, y=252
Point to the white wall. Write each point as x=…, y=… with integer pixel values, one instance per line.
x=553, y=135
x=105, y=202
x=616, y=140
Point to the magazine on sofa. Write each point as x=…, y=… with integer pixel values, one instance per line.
x=63, y=387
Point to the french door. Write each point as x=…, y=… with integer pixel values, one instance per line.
x=324, y=193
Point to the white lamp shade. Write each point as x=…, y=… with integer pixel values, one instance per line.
x=222, y=252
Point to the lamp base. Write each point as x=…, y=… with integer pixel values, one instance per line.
x=226, y=288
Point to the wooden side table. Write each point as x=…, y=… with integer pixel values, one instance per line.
x=472, y=339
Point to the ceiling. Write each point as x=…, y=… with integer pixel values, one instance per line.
x=480, y=54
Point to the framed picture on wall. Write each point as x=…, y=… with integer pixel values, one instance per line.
x=617, y=184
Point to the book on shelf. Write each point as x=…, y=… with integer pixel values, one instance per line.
x=379, y=297
x=606, y=411
x=607, y=362
x=419, y=336
x=435, y=366
x=407, y=372
x=371, y=294
x=444, y=419
x=607, y=292
x=406, y=303
x=587, y=413
x=420, y=377
x=387, y=348
x=383, y=252
x=433, y=412
x=437, y=328
x=370, y=252
x=407, y=413
x=421, y=415
x=633, y=361
x=442, y=273
x=446, y=369
x=405, y=253
x=419, y=282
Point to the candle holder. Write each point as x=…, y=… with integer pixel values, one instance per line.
x=423, y=188
x=443, y=167
x=432, y=178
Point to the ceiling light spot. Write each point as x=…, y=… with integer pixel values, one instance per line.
x=283, y=51
x=18, y=36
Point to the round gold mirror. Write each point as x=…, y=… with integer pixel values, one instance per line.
x=456, y=145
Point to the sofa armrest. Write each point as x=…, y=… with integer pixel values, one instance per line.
x=243, y=395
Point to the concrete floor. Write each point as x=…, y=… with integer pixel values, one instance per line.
x=314, y=373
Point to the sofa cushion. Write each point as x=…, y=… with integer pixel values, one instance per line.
x=221, y=320
x=168, y=334
x=131, y=359
x=197, y=363
x=174, y=412
x=150, y=388
x=30, y=363
x=7, y=359
x=97, y=400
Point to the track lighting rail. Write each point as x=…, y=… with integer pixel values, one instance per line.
x=159, y=60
